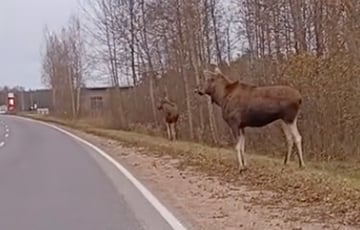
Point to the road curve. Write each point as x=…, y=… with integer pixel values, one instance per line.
x=49, y=180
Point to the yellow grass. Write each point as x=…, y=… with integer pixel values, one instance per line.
x=184, y=148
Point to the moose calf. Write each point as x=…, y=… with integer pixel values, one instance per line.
x=246, y=105
x=171, y=114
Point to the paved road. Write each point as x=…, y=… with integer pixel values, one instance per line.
x=50, y=181
x=4, y=133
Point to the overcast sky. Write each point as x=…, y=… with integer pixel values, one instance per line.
x=21, y=34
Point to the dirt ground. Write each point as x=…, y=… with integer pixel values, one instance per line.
x=208, y=203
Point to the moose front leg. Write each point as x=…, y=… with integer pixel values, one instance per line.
x=238, y=147
x=173, y=131
x=168, y=130
x=242, y=146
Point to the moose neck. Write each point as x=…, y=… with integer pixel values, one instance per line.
x=219, y=94
x=167, y=106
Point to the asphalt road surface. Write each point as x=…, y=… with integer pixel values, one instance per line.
x=50, y=181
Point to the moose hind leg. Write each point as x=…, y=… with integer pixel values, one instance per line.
x=289, y=139
x=298, y=139
x=242, y=147
x=239, y=153
x=173, y=131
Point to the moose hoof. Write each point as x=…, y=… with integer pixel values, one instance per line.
x=285, y=166
x=242, y=169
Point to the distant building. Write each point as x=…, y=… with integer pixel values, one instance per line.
x=93, y=100
x=41, y=97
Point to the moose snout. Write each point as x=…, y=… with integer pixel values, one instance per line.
x=197, y=90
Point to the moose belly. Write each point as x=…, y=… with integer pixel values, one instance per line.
x=257, y=117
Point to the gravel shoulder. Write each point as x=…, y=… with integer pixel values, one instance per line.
x=206, y=201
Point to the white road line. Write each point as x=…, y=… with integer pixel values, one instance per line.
x=6, y=135
x=2, y=144
x=7, y=130
x=164, y=212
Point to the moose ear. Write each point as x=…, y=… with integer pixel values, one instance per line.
x=210, y=75
x=217, y=70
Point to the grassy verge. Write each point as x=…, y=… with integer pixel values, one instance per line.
x=333, y=187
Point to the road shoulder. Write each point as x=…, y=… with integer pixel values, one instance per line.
x=203, y=200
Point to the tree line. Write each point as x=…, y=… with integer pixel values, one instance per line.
x=162, y=46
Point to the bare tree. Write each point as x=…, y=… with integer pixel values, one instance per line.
x=311, y=44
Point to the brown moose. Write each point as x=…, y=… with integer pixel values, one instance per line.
x=246, y=105
x=171, y=115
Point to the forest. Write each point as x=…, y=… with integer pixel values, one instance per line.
x=162, y=47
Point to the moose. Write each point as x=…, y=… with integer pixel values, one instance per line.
x=244, y=105
x=171, y=115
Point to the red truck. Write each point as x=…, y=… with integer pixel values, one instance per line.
x=11, y=105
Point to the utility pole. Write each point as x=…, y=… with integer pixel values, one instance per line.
x=22, y=101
